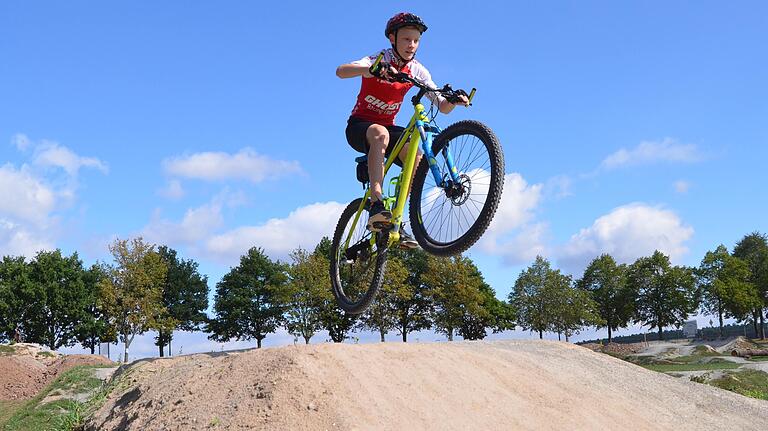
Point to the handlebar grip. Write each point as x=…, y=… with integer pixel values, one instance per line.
x=471, y=95
x=374, y=69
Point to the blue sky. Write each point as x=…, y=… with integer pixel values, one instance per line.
x=213, y=127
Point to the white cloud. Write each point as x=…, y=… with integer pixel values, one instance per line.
x=172, y=190
x=627, y=233
x=668, y=150
x=682, y=186
x=217, y=166
x=18, y=240
x=32, y=195
x=51, y=154
x=196, y=225
x=512, y=234
x=558, y=187
x=25, y=197
x=21, y=141
x=303, y=227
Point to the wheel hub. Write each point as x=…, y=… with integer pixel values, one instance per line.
x=458, y=192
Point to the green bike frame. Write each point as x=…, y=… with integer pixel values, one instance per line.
x=413, y=134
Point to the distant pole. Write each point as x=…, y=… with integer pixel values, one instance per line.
x=645, y=339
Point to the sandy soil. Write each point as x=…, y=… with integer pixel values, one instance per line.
x=526, y=385
x=31, y=367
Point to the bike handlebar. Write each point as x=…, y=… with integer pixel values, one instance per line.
x=449, y=93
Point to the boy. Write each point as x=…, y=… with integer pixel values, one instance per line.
x=371, y=127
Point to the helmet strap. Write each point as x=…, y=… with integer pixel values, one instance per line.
x=400, y=58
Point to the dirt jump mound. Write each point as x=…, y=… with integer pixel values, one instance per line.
x=520, y=385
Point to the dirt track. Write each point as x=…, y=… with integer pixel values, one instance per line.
x=470, y=385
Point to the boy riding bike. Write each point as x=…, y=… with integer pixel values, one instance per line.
x=371, y=126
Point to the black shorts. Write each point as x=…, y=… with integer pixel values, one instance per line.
x=357, y=129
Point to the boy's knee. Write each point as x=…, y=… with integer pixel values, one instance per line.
x=378, y=135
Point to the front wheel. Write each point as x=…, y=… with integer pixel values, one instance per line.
x=358, y=260
x=449, y=216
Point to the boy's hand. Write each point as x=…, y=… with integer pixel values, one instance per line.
x=459, y=97
x=463, y=100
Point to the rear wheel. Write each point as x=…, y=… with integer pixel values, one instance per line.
x=357, y=269
x=449, y=216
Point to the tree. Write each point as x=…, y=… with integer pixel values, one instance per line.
x=572, y=308
x=753, y=249
x=724, y=286
x=306, y=290
x=666, y=295
x=248, y=302
x=411, y=303
x=131, y=291
x=529, y=298
x=381, y=316
x=455, y=291
x=496, y=315
x=94, y=328
x=606, y=282
x=18, y=298
x=185, y=298
x=64, y=298
x=338, y=323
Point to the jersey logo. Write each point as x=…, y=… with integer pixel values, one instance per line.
x=374, y=102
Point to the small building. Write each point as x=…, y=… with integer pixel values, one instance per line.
x=690, y=329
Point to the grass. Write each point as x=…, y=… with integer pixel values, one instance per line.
x=751, y=383
x=758, y=359
x=703, y=351
x=62, y=414
x=8, y=408
x=664, y=368
x=7, y=350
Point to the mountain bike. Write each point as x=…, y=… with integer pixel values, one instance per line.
x=456, y=190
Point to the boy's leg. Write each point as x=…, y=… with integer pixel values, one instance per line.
x=378, y=139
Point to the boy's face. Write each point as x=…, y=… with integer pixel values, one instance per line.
x=407, y=41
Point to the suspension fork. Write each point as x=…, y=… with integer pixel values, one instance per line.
x=427, y=135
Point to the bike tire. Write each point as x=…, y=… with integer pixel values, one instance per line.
x=421, y=225
x=355, y=295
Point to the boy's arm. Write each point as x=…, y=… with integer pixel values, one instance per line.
x=446, y=107
x=351, y=70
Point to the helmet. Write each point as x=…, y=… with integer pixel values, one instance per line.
x=404, y=19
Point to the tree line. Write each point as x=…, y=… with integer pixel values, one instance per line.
x=54, y=300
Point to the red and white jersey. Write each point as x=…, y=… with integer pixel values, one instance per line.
x=380, y=100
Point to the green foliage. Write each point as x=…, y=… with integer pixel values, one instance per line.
x=751, y=383
x=59, y=282
x=62, y=414
x=184, y=296
x=249, y=301
x=332, y=319
x=131, y=291
x=571, y=308
x=692, y=367
x=725, y=288
x=412, y=304
x=529, y=297
x=19, y=298
x=94, y=328
x=454, y=286
x=381, y=316
x=306, y=291
x=607, y=283
x=665, y=295
x=753, y=250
